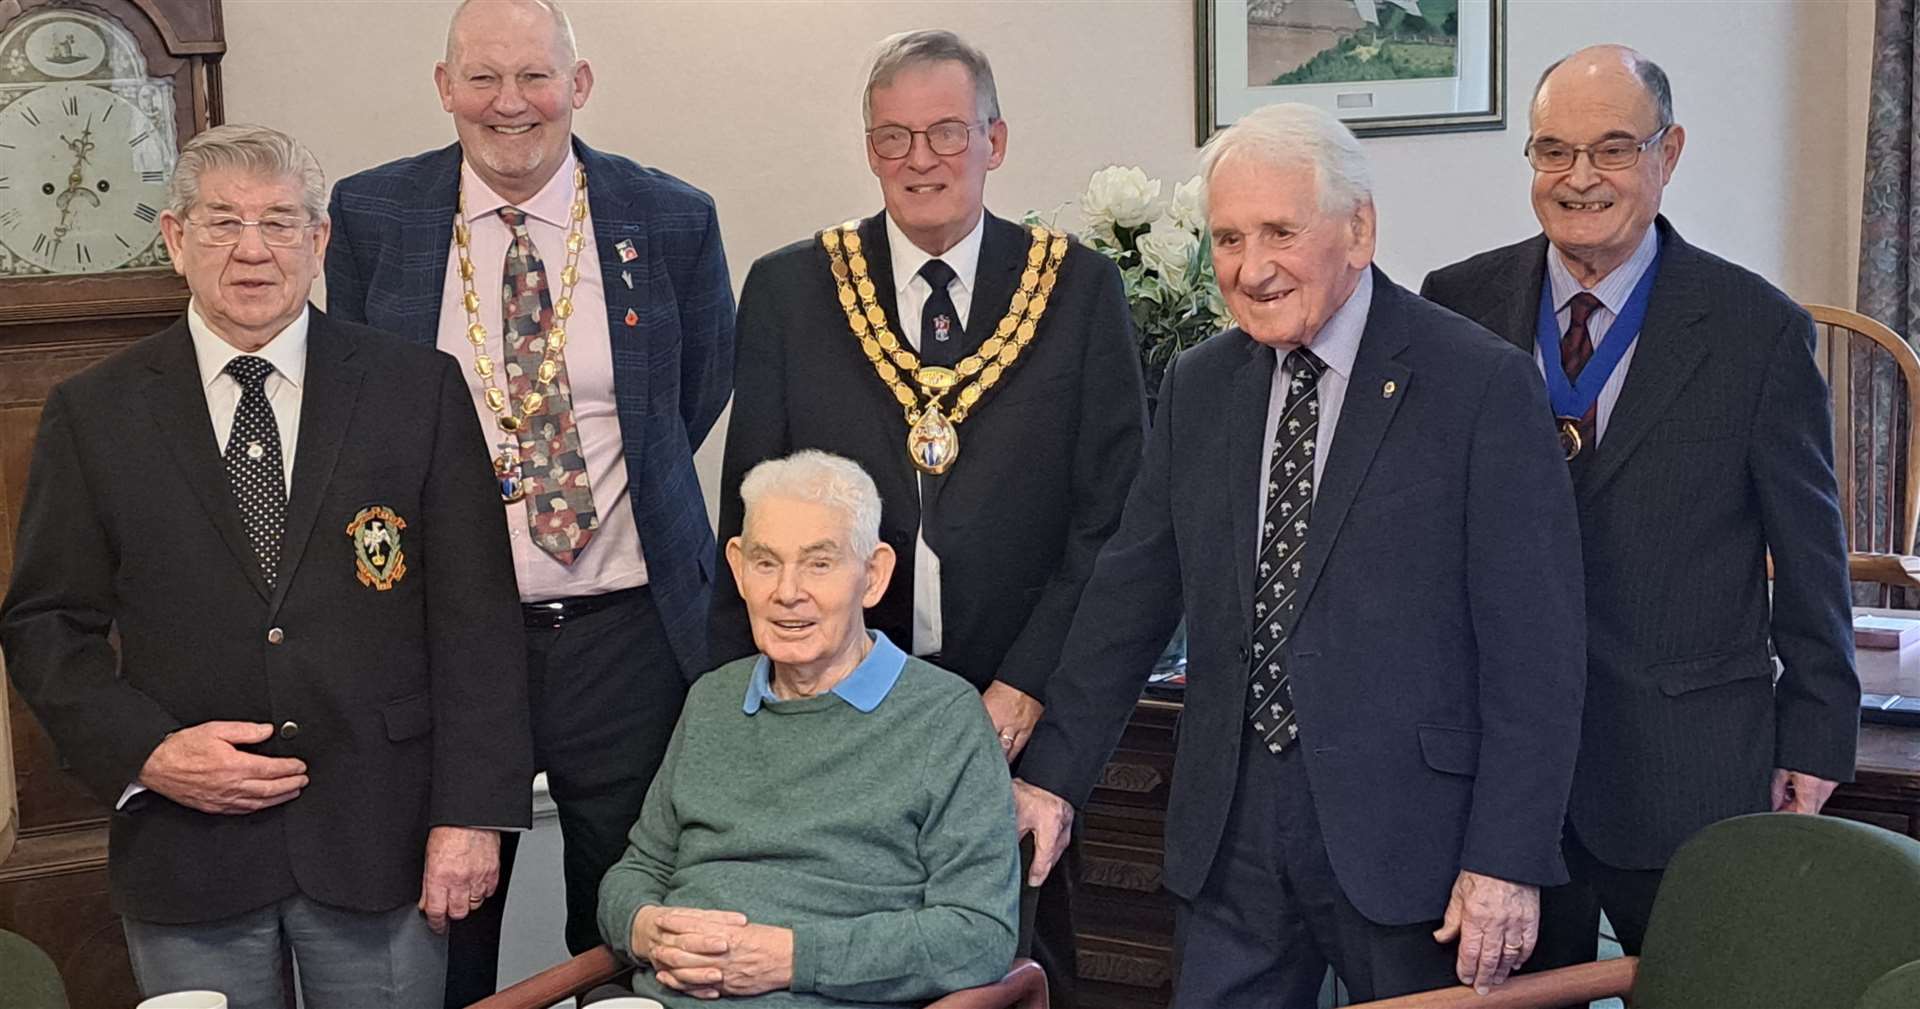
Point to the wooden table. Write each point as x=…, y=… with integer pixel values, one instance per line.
x=1886, y=786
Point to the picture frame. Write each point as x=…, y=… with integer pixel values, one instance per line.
x=1384, y=67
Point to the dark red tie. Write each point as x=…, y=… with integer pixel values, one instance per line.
x=1576, y=349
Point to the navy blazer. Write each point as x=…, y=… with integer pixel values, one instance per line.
x=672, y=369
x=1719, y=450
x=1436, y=662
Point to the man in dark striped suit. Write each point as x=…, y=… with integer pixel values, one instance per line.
x=587, y=300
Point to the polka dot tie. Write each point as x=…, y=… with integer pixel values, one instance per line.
x=254, y=469
x=1283, y=539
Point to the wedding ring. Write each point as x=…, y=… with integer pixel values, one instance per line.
x=476, y=899
x=1512, y=947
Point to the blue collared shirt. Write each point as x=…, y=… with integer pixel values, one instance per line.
x=864, y=688
x=1613, y=290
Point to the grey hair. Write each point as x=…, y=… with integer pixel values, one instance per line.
x=931, y=45
x=813, y=475
x=562, y=30
x=1290, y=134
x=258, y=150
x=1651, y=77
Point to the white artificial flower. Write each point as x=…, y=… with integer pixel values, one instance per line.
x=1185, y=208
x=1120, y=196
x=1168, y=249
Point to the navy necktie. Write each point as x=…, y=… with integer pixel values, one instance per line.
x=1283, y=541
x=254, y=470
x=940, y=331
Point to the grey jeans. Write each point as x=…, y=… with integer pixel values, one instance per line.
x=345, y=959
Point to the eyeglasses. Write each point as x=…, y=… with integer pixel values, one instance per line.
x=1608, y=155
x=279, y=232
x=945, y=138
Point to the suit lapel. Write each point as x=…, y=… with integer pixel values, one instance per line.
x=1664, y=358
x=178, y=402
x=326, y=412
x=427, y=242
x=624, y=284
x=1516, y=316
x=879, y=252
x=1246, y=427
x=1365, y=415
x=1003, y=254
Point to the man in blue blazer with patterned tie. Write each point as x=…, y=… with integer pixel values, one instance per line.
x=587, y=300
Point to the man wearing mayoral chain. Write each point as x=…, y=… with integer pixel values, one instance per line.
x=1696, y=426
x=587, y=299
x=982, y=372
x=1360, y=500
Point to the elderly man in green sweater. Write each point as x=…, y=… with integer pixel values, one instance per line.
x=833, y=822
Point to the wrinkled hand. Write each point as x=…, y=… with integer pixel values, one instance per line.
x=704, y=955
x=463, y=868
x=1497, y=923
x=1798, y=792
x=1014, y=713
x=199, y=768
x=1046, y=816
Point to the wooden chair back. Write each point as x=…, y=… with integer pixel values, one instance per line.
x=1873, y=378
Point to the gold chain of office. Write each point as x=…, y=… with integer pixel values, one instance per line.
x=933, y=443
x=512, y=420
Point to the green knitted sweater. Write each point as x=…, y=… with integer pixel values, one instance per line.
x=884, y=840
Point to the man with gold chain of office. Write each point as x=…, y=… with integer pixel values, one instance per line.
x=982, y=372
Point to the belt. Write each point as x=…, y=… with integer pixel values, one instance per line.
x=551, y=613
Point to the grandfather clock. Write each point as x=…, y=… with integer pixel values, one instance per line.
x=96, y=97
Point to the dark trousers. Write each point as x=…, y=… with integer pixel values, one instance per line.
x=1570, y=914
x=1271, y=917
x=605, y=692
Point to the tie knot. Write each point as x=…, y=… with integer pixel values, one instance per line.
x=514, y=216
x=251, y=372
x=1581, y=307
x=937, y=274
x=1305, y=364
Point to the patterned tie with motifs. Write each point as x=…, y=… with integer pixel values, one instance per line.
x=1283, y=539
x=255, y=472
x=560, y=511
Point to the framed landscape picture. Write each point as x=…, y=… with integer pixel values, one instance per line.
x=1383, y=66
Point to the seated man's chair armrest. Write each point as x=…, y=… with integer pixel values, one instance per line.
x=1024, y=987
x=1885, y=569
x=560, y=982
x=1575, y=985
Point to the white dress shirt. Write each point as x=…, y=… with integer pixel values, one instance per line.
x=287, y=352
x=910, y=292
x=1337, y=344
x=1613, y=290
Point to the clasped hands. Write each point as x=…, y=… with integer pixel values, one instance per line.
x=707, y=953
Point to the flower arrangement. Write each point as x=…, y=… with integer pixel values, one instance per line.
x=1164, y=258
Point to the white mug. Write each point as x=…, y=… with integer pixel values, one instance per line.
x=626, y=1002
x=186, y=1000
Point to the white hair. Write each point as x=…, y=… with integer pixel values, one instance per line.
x=1289, y=135
x=257, y=150
x=813, y=475
x=905, y=50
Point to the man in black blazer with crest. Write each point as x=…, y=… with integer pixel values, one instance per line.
x=1707, y=448
x=1357, y=502
x=996, y=546
x=314, y=724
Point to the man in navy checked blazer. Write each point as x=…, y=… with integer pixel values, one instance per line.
x=592, y=436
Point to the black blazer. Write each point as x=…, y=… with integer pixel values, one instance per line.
x=1044, y=465
x=410, y=703
x=1436, y=660
x=1719, y=450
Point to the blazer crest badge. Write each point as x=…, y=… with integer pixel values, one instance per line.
x=377, y=558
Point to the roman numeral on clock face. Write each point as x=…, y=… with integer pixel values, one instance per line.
x=28, y=115
x=141, y=139
x=71, y=106
x=153, y=177
x=145, y=213
x=82, y=255
x=41, y=243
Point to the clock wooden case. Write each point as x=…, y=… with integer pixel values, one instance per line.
x=96, y=97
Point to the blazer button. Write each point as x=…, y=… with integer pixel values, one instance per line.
x=276, y=636
x=289, y=730
x=1243, y=653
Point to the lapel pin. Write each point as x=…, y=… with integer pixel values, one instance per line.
x=1387, y=391
x=627, y=275
x=633, y=317
x=625, y=248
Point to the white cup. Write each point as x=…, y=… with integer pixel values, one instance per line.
x=186, y=1000
x=626, y=1002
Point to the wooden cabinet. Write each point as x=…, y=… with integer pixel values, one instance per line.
x=1124, y=919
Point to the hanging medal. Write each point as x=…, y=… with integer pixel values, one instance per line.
x=506, y=470
x=1571, y=399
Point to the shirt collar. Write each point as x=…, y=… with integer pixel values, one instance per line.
x=287, y=351
x=1615, y=288
x=864, y=688
x=908, y=258
x=553, y=204
x=1338, y=341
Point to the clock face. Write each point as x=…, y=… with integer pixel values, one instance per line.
x=83, y=178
